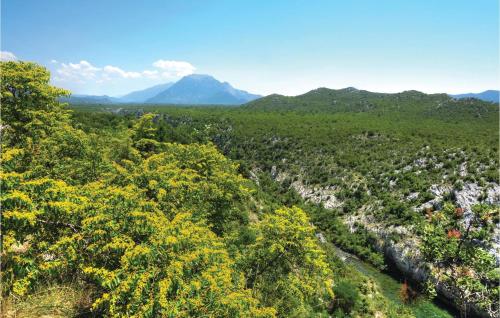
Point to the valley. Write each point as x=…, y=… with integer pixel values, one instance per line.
x=367, y=167
x=249, y=159
x=331, y=203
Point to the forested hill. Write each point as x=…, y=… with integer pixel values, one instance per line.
x=383, y=176
x=109, y=216
x=155, y=211
x=354, y=100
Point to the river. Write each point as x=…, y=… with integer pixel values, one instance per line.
x=390, y=285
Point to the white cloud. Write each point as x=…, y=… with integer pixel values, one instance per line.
x=84, y=72
x=7, y=56
x=77, y=72
x=174, y=68
x=113, y=70
x=151, y=74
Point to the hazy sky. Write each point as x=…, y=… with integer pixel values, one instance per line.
x=268, y=46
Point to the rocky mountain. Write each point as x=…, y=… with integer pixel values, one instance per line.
x=141, y=96
x=202, y=89
x=193, y=89
x=489, y=96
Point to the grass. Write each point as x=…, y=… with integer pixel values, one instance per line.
x=50, y=302
x=390, y=288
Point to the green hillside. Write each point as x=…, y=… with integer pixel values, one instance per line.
x=375, y=167
x=239, y=212
x=352, y=100
x=106, y=215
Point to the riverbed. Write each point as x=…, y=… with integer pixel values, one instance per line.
x=390, y=285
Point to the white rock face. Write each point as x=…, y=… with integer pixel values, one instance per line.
x=254, y=177
x=493, y=195
x=493, y=198
x=462, y=170
x=405, y=253
x=326, y=196
x=420, y=162
x=281, y=176
x=439, y=191
x=465, y=198
x=439, y=165
x=468, y=196
x=321, y=237
x=316, y=195
x=406, y=257
x=412, y=196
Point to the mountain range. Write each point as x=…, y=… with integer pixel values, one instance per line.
x=195, y=89
x=489, y=96
x=145, y=94
x=202, y=89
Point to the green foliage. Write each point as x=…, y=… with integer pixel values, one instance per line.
x=142, y=207
x=324, y=100
x=29, y=104
x=148, y=265
x=347, y=296
x=155, y=228
x=287, y=267
x=36, y=214
x=196, y=178
x=377, y=155
x=38, y=128
x=360, y=242
x=451, y=247
x=55, y=301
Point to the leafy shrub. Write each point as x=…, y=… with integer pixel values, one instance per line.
x=346, y=296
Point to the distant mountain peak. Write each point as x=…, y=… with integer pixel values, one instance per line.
x=488, y=96
x=141, y=96
x=193, y=89
x=202, y=89
x=198, y=77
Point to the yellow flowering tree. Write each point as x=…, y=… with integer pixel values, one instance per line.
x=286, y=267
x=36, y=215
x=30, y=109
x=194, y=178
x=144, y=135
x=38, y=127
x=151, y=226
x=181, y=270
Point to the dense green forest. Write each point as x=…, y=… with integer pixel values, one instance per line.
x=163, y=211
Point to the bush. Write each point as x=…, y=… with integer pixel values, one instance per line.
x=346, y=296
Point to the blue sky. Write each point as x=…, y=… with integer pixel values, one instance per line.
x=288, y=47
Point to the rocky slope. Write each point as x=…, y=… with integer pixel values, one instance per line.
x=404, y=253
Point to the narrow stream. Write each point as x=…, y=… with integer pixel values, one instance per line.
x=390, y=286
